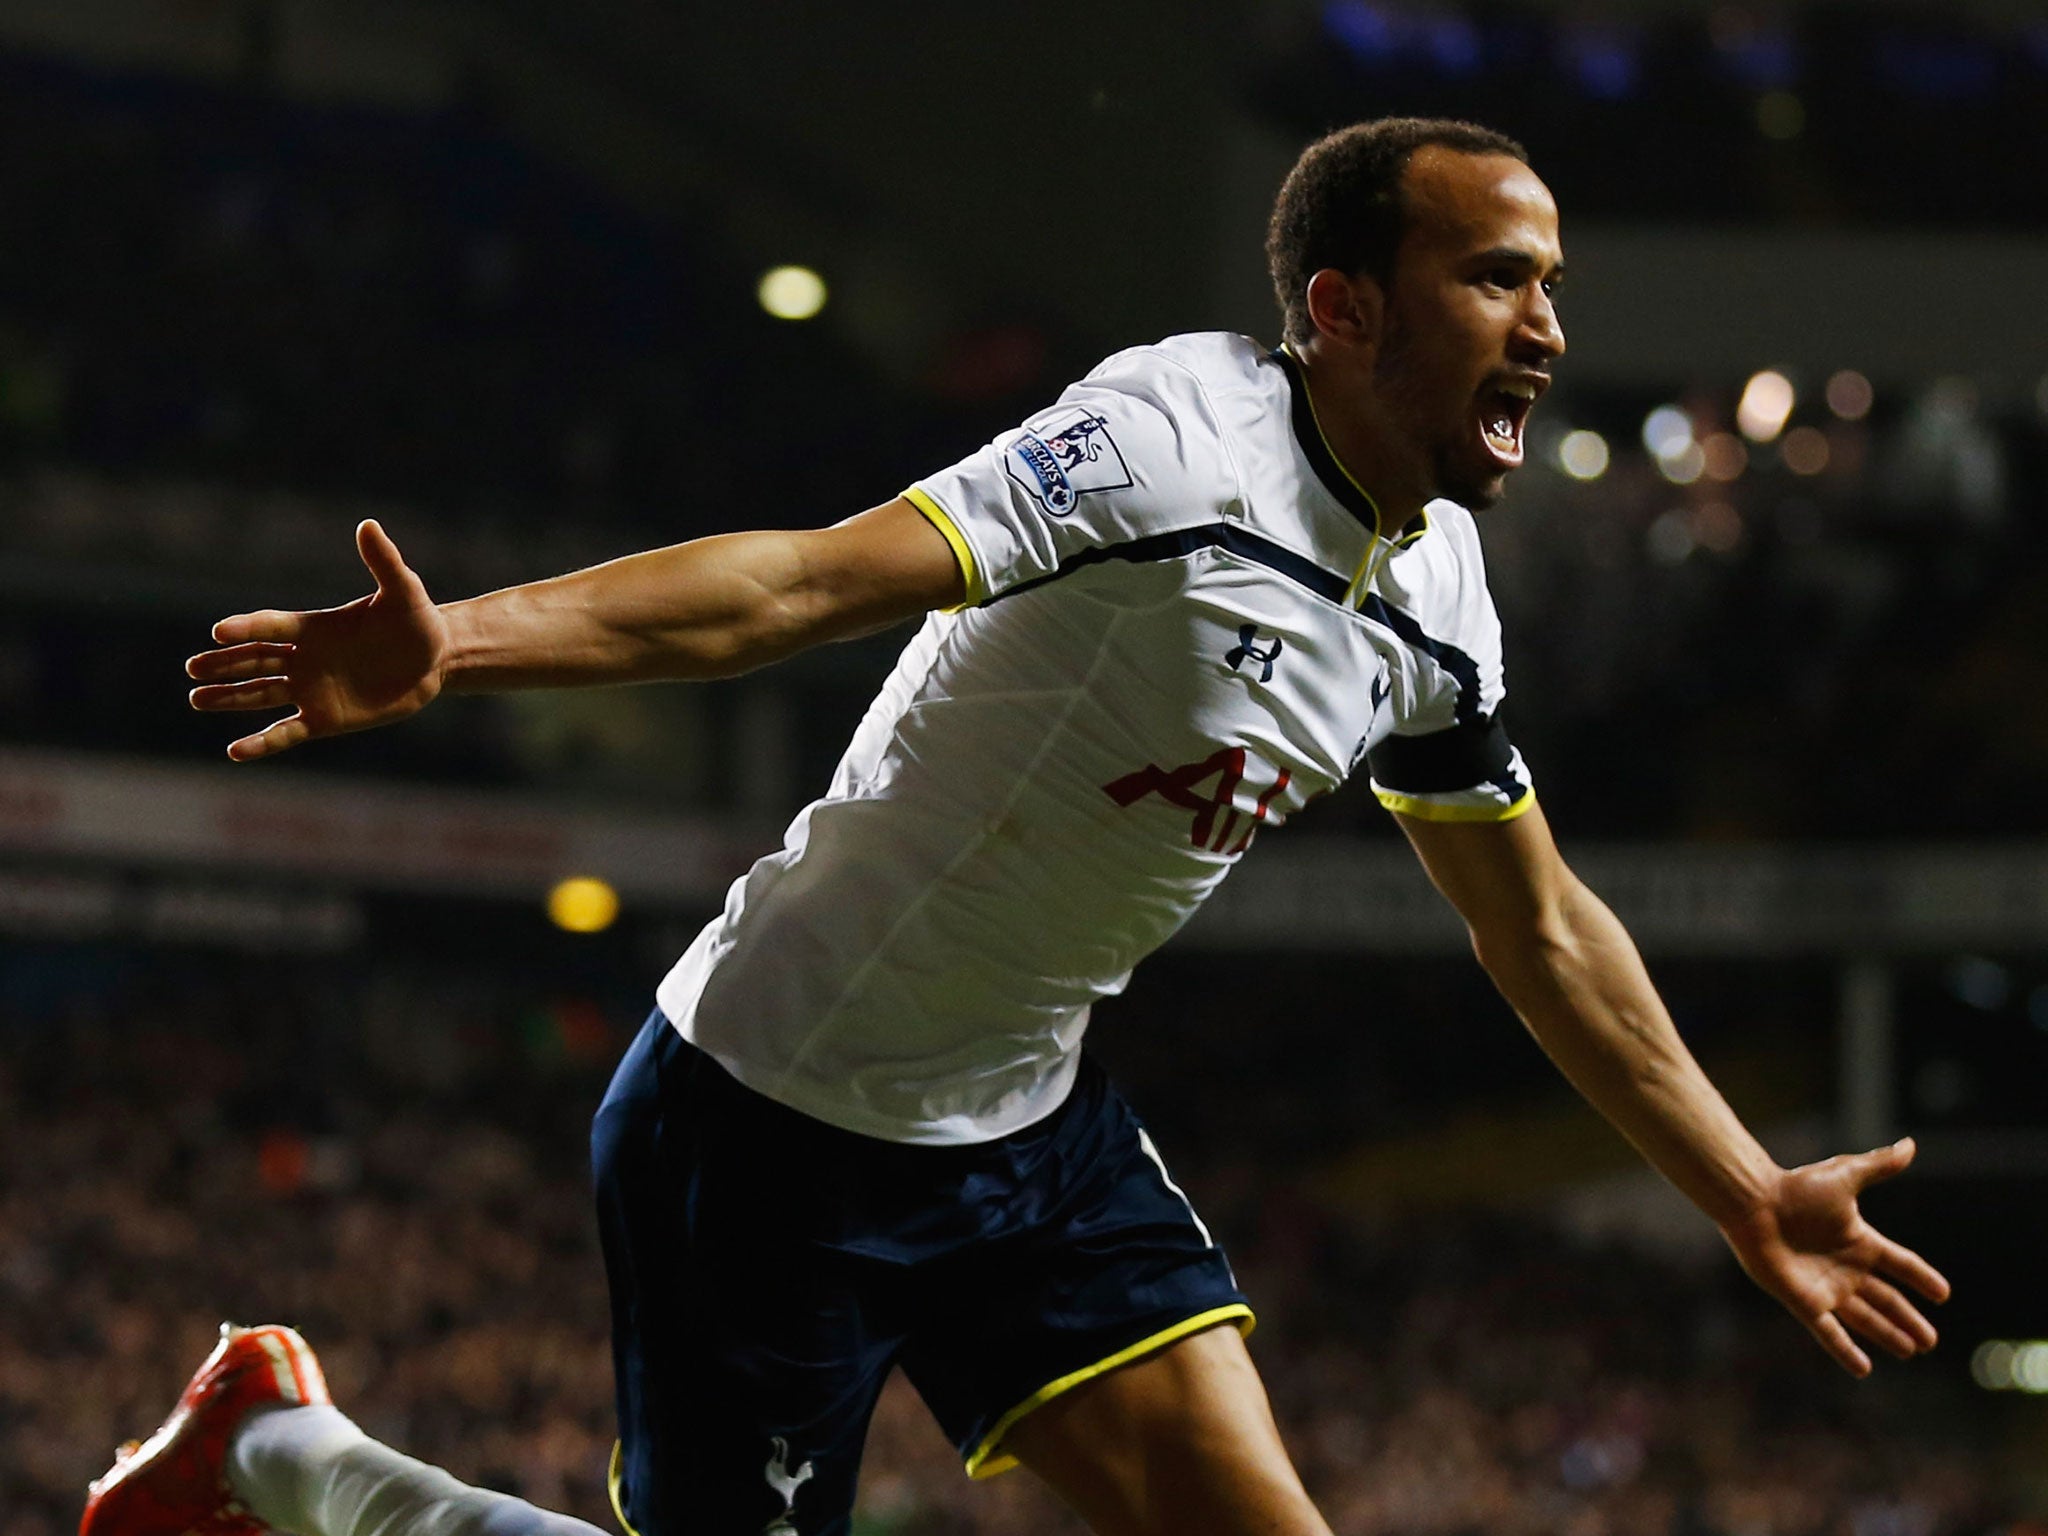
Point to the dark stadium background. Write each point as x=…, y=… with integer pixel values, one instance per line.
x=299, y=1042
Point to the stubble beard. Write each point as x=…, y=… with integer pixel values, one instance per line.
x=1450, y=478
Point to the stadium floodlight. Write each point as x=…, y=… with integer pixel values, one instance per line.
x=1723, y=456
x=1583, y=454
x=1684, y=465
x=1805, y=450
x=1991, y=1365
x=2011, y=1365
x=1849, y=394
x=1766, y=405
x=2030, y=1366
x=791, y=293
x=1667, y=431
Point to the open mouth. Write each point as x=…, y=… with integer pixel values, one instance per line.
x=1503, y=411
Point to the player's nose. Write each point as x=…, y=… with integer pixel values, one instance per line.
x=1540, y=332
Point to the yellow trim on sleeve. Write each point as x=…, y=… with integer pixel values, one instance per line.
x=989, y=1458
x=615, y=1484
x=939, y=518
x=1436, y=810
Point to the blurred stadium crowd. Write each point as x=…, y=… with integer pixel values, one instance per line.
x=1715, y=113
x=272, y=318
x=329, y=298
x=396, y=1165
x=231, y=323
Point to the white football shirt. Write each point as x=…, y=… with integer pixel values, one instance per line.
x=1182, y=625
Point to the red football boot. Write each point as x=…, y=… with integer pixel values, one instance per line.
x=175, y=1482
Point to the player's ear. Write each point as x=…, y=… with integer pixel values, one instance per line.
x=1350, y=310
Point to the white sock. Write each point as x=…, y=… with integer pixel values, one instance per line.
x=311, y=1472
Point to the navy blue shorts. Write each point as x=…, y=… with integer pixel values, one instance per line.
x=767, y=1270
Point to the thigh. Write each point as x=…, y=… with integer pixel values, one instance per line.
x=1105, y=1264
x=748, y=1355
x=1183, y=1440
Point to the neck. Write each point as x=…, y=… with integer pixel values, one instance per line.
x=1355, y=424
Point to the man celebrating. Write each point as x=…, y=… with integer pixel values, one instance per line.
x=859, y=1131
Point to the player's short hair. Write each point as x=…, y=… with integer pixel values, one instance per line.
x=1342, y=205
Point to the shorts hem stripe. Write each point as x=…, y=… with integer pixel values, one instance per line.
x=989, y=1459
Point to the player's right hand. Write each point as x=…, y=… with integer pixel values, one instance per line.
x=370, y=662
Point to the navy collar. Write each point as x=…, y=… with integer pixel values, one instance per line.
x=1337, y=480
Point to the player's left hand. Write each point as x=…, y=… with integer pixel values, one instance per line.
x=1810, y=1247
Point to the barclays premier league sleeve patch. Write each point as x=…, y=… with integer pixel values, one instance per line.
x=1064, y=459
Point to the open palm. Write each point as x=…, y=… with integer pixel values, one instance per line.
x=369, y=662
x=1810, y=1247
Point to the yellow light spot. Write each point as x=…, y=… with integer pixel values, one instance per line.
x=791, y=293
x=583, y=905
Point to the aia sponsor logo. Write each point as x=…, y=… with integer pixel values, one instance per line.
x=1207, y=789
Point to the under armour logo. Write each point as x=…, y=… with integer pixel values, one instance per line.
x=1247, y=649
x=786, y=1483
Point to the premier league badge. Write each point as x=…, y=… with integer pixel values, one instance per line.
x=1070, y=454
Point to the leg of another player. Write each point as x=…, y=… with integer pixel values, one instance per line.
x=311, y=1472
x=1182, y=1441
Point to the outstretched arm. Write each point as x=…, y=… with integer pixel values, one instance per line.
x=714, y=607
x=1567, y=966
